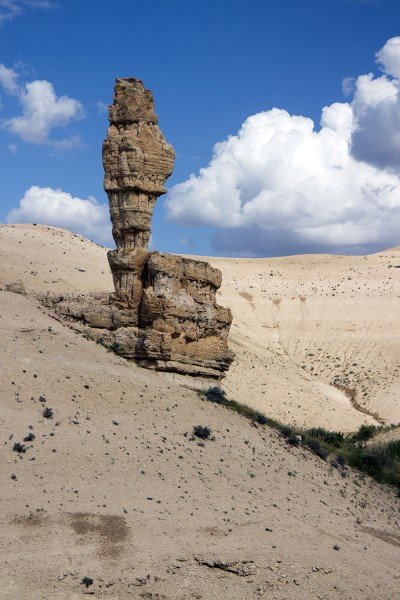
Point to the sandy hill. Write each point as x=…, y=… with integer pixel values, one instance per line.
x=302, y=323
x=114, y=488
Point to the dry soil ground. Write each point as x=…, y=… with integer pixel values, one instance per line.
x=114, y=488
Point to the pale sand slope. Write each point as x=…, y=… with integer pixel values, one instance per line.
x=113, y=488
x=299, y=322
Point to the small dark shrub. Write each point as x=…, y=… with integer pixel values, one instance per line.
x=294, y=439
x=393, y=479
x=316, y=447
x=20, y=448
x=87, y=581
x=29, y=437
x=260, y=418
x=201, y=432
x=341, y=460
x=48, y=413
x=286, y=431
x=216, y=394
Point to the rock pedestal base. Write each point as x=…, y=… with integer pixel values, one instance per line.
x=170, y=323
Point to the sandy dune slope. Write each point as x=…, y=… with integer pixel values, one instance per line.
x=300, y=323
x=114, y=488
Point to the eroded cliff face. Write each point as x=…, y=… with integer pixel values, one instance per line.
x=163, y=313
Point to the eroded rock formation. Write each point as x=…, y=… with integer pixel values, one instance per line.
x=163, y=313
x=137, y=160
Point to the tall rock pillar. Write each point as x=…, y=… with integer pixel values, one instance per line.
x=137, y=161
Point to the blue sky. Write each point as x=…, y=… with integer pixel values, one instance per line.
x=211, y=64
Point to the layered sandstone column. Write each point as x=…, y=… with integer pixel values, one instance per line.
x=164, y=312
x=137, y=160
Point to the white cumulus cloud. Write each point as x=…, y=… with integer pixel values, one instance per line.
x=55, y=207
x=42, y=111
x=9, y=9
x=376, y=106
x=9, y=79
x=282, y=184
x=389, y=57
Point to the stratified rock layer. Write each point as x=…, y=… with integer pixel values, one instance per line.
x=185, y=329
x=163, y=313
x=137, y=160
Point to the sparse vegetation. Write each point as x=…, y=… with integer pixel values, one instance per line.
x=315, y=446
x=380, y=460
x=333, y=438
x=218, y=396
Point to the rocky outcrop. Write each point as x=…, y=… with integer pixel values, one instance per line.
x=163, y=313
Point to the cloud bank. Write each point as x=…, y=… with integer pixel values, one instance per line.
x=281, y=185
x=55, y=207
x=42, y=111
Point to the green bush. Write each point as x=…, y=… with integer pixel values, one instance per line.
x=216, y=394
x=393, y=450
x=316, y=447
x=382, y=462
x=365, y=433
x=202, y=432
x=333, y=438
